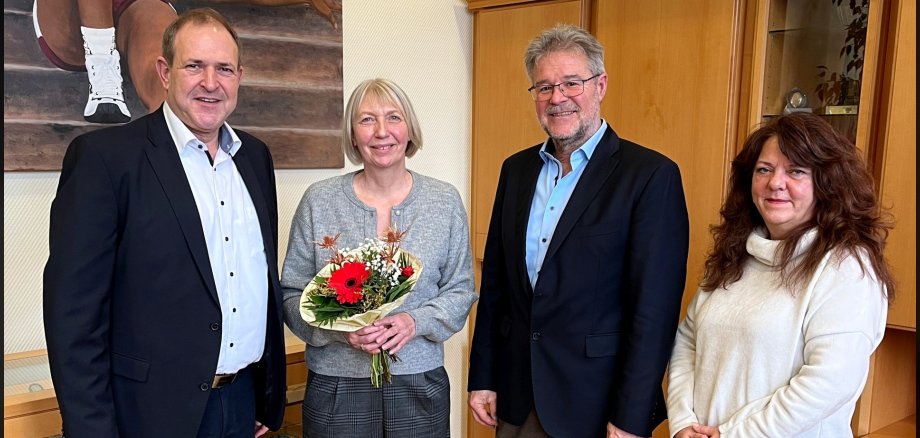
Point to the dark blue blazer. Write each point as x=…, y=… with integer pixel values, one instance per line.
x=590, y=342
x=131, y=313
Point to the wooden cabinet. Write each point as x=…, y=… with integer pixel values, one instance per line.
x=888, y=407
x=802, y=48
x=896, y=156
x=30, y=408
x=794, y=42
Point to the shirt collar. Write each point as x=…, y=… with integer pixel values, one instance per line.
x=587, y=149
x=182, y=136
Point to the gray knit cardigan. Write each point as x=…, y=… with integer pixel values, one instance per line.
x=437, y=233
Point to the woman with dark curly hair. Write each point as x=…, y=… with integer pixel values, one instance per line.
x=794, y=296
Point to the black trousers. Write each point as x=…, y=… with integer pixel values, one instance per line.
x=231, y=410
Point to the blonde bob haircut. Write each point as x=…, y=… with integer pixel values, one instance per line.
x=386, y=91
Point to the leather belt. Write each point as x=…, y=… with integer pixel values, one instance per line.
x=221, y=380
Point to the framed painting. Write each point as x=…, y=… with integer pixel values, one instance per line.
x=290, y=96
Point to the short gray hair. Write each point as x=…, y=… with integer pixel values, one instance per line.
x=388, y=92
x=561, y=38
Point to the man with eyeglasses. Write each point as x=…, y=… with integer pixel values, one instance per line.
x=584, y=267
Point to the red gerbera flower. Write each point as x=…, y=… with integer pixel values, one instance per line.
x=347, y=282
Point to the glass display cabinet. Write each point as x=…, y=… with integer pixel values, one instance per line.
x=817, y=56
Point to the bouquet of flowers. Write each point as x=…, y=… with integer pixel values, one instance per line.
x=360, y=286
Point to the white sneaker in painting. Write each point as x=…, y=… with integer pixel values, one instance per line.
x=106, y=102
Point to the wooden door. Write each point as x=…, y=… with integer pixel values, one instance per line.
x=674, y=69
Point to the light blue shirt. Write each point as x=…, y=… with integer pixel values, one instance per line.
x=550, y=198
x=234, y=239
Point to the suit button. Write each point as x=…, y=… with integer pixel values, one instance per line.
x=535, y=336
x=203, y=387
x=215, y=326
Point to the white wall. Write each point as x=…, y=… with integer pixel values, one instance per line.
x=423, y=45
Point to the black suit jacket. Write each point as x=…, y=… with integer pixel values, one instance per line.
x=131, y=313
x=590, y=342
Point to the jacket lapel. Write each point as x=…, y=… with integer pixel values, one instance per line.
x=527, y=185
x=164, y=159
x=251, y=180
x=599, y=168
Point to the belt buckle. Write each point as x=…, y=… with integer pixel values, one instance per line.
x=221, y=380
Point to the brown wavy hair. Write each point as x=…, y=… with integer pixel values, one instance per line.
x=848, y=217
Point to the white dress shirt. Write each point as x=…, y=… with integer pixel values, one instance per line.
x=234, y=240
x=550, y=198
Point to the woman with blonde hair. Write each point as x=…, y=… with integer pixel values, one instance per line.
x=380, y=131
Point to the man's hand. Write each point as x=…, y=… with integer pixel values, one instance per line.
x=260, y=429
x=614, y=432
x=483, y=405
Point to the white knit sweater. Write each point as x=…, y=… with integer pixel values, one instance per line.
x=758, y=360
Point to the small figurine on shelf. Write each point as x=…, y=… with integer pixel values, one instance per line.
x=796, y=102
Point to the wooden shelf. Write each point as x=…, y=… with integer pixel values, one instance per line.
x=904, y=428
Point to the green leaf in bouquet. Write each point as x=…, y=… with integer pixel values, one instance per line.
x=398, y=291
x=319, y=301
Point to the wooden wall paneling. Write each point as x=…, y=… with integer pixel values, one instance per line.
x=503, y=113
x=674, y=71
x=896, y=159
x=891, y=396
x=888, y=395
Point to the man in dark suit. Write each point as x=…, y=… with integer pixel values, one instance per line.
x=161, y=297
x=584, y=266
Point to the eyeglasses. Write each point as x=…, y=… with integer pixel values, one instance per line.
x=570, y=88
